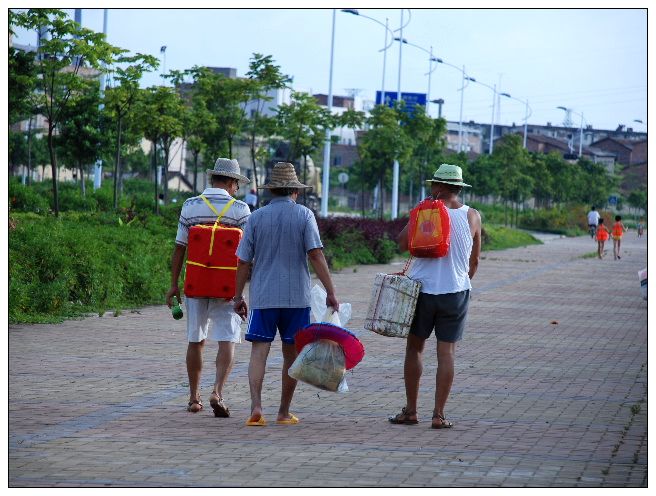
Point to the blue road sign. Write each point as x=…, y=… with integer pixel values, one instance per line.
x=612, y=200
x=410, y=99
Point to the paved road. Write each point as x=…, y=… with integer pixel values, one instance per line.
x=550, y=390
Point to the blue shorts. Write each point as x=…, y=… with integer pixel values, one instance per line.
x=262, y=323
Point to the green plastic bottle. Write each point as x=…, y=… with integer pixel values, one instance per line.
x=176, y=309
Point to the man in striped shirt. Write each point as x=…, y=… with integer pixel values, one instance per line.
x=209, y=317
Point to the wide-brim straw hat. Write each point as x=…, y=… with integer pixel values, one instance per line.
x=448, y=174
x=227, y=167
x=283, y=175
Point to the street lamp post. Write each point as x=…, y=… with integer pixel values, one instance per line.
x=569, y=110
x=494, y=99
x=97, y=168
x=462, y=89
x=527, y=114
x=384, y=50
x=326, y=147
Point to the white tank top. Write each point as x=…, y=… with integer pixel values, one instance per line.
x=449, y=274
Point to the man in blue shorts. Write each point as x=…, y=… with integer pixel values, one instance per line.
x=277, y=243
x=443, y=299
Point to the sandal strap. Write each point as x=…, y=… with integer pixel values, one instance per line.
x=405, y=411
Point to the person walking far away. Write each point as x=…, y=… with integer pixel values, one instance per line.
x=278, y=240
x=209, y=317
x=640, y=227
x=617, y=232
x=443, y=299
x=251, y=199
x=602, y=237
x=593, y=221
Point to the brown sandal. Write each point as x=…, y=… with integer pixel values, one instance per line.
x=444, y=423
x=217, y=404
x=403, y=418
x=191, y=408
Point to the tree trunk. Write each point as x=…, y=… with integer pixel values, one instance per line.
x=166, y=173
x=81, y=168
x=155, y=178
x=117, y=165
x=53, y=164
x=257, y=202
x=195, y=172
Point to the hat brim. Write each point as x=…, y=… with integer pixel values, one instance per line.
x=283, y=186
x=454, y=183
x=353, y=348
x=233, y=175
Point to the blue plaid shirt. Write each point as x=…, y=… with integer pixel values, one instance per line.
x=276, y=240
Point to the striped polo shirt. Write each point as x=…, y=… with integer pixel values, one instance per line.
x=276, y=240
x=195, y=211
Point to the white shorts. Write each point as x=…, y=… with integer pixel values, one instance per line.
x=213, y=318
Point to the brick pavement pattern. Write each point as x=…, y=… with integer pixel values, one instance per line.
x=550, y=390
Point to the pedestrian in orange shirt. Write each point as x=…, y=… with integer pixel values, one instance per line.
x=602, y=237
x=617, y=232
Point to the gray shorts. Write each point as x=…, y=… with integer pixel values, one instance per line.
x=446, y=313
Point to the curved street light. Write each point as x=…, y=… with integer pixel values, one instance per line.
x=570, y=111
x=528, y=113
x=384, y=50
x=494, y=99
x=465, y=83
x=431, y=59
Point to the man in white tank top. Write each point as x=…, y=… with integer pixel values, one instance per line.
x=444, y=298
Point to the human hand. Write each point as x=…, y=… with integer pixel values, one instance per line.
x=331, y=301
x=173, y=291
x=241, y=308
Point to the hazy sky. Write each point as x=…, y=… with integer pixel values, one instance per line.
x=593, y=61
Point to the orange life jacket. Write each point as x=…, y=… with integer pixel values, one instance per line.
x=602, y=233
x=618, y=229
x=429, y=231
x=211, y=270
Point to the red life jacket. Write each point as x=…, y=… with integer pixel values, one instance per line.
x=211, y=270
x=429, y=232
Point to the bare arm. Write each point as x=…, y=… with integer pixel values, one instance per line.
x=176, y=267
x=320, y=267
x=402, y=239
x=474, y=219
x=240, y=307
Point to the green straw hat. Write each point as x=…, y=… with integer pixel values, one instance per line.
x=448, y=174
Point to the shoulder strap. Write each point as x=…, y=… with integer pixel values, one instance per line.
x=218, y=217
x=213, y=209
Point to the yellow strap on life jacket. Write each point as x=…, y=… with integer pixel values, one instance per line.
x=210, y=266
x=218, y=217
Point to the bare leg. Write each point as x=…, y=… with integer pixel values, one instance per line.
x=444, y=376
x=619, y=245
x=600, y=249
x=224, y=360
x=412, y=370
x=194, y=367
x=288, y=383
x=256, y=369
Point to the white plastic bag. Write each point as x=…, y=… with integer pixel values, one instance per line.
x=319, y=309
x=321, y=364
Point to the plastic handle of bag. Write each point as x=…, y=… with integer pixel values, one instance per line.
x=218, y=217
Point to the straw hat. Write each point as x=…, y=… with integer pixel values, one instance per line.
x=448, y=174
x=283, y=175
x=227, y=167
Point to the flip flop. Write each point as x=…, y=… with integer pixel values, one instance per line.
x=293, y=419
x=259, y=422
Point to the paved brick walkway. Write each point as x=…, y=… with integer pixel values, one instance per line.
x=550, y=390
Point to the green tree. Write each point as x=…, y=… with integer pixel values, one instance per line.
x=159, y=112
x=384, y=142
x=22, y=81
x=514, y=163
x=59, y=58
x=79, y=136
x=428, y=138
x=265, y=76
x=121, y=100
x=596, y=184
x=638, y=199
